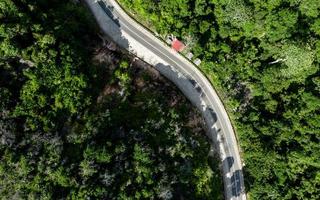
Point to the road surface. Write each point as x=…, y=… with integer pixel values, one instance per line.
x=130, y=35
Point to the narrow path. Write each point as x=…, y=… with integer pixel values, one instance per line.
x=131, y=36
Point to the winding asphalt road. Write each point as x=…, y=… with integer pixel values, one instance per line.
x=130, y=35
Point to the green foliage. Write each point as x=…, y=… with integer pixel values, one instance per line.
x=263, y=57
x=71, y=129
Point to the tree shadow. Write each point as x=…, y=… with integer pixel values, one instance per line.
x=108, y=23
x=228, y=161
x=196, y=95
x=235, y=183
x=111, y=26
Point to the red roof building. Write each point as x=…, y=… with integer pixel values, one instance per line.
x=177, y=45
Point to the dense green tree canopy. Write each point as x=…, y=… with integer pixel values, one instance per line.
x=263, y=58
x=73, y=126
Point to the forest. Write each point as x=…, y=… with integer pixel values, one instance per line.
x=80, y=119
x=263, y=58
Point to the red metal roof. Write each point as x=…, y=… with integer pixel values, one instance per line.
x=177, y=45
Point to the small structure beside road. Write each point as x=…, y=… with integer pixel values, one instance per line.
x=197, y=61
x=189, y=55
x=177, y=45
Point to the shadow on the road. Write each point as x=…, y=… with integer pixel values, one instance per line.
x=235, y=181
x=192, y=90
x=108, y=10
x=110, y=25
x=189, y=88
x=228, y=161
x=213, y=114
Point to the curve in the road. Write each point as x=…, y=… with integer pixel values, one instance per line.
x=136, y=39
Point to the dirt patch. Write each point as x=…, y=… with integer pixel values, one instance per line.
x=144, y=79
